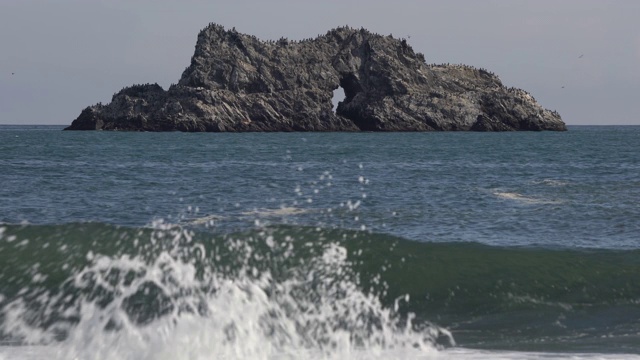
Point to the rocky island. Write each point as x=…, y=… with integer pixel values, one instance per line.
x=237, y=82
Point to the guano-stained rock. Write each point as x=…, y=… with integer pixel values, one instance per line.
x=236, y=82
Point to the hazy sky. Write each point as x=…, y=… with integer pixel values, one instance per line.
x=68, y=54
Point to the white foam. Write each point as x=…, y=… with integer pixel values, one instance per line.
x=318, y=312
x=205, y=220
x=513, y=196
x=283, y=211
x=552, y=182
x=47, y=352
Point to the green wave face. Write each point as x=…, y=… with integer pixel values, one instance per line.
x=516, y=298
x=493, y=297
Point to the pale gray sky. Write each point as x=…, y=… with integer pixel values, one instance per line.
x=68, y=54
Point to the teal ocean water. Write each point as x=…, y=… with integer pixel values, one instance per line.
x=319, y=245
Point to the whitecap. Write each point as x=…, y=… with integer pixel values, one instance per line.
x=523, y=199
x=551, y=182
x=283, y=211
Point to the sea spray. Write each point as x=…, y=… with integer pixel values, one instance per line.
x=524, y=298
x=165, y=293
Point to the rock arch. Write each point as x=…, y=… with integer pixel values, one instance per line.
x=236, y=82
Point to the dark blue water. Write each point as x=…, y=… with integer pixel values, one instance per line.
x=525, y=241
x=578, y=188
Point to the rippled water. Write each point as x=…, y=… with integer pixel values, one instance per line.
x=578, y=188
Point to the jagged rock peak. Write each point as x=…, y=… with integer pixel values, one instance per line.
x=237, y=82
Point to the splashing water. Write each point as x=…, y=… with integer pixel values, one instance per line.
x=167, y=295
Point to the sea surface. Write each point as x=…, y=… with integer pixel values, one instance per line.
x=123, y=245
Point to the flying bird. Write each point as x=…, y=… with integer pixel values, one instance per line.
x=580, y=57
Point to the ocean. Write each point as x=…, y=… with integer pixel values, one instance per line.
x=442, y=245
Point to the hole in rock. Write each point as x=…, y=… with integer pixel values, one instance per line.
x=338, y=95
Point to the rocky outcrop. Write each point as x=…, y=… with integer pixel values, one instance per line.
x=237, y=82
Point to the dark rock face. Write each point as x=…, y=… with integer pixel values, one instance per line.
x=238, y=83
